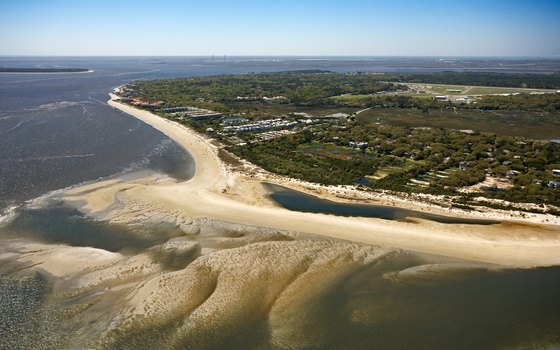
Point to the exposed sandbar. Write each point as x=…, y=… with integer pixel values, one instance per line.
x=219, y=193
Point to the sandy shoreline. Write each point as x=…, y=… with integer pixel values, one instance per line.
x=235, y=261
x=221, y=193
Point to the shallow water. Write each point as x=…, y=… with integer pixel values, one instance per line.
x=385, y=306
x=59, y=224
x=299, y=201
x=21, y=302
x=400, y=300
x=56, y=131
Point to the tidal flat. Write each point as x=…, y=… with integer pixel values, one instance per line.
x=214, y=284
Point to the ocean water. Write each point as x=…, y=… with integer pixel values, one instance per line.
x=400, y=300
x=56, y=130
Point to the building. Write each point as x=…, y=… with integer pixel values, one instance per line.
x=138, y=102
x=203, y=115
x=358, y=145
x=554, y=184
x=556, y=172
x=193, y=113
x=261, y=125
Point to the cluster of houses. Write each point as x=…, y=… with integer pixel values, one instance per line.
x=555, y=184
x=192, y=113
x=261, y=125
x=127, y=93
x=552, y=184
x=138, y=102
x=358, y=145
x=264, y=98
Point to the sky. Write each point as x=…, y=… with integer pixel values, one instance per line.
x=280, y=28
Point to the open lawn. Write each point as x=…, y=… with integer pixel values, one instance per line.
x=442, y=89
x=533, y=125
x=388, y=170
x=488, y=90
x=343, y=98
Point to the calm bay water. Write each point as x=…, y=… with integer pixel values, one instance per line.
x=56, y=130
x=299, y=201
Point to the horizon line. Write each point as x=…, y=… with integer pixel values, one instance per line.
x=218, y=56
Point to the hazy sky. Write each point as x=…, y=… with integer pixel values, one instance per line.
x=288, y=27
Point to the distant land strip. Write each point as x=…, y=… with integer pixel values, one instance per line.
x=43, y=70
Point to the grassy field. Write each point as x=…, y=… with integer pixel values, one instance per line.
x=487, y=90
x=388, y=170
x=432, y=90
x=533, y=125
x=343, y=98
x=441, y=89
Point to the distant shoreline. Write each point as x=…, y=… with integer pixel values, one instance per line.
x=7, y=70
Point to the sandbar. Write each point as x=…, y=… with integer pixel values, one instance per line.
x=218, y=191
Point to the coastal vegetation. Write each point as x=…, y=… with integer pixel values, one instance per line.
x=368, y=130
x=529, y=124
x=516, y=80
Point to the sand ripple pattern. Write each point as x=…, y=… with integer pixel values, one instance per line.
x=254, y=293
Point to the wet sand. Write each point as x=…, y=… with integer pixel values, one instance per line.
x=242, y=272
x=220, y=193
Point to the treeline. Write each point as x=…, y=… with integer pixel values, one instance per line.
x=299, y=88
x=316, y=88
x=520, y=102
x=461, y=160
x=280, y=156
x=517, y=80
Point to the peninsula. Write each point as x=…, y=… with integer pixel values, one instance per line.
x=43, y=70
x=234, y=194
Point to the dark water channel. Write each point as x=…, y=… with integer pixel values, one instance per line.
x=298, y=201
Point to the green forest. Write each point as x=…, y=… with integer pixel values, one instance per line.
x=389, y=139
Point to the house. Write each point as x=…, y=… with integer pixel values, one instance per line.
x=511, y=173
x=556, y=172
x=463, y=165
x=554, y=184
x=358, y=145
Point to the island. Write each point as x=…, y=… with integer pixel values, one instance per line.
x=238, y=152
x=43, y=70
x=220, y=259
x=471, y=146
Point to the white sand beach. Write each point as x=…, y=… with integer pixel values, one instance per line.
x=240, y=259
x=218, y=193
